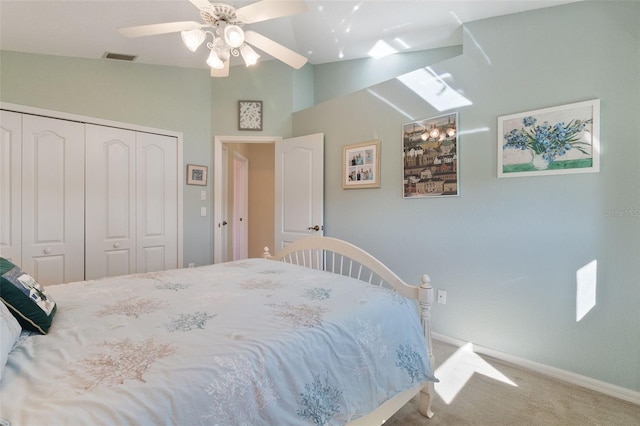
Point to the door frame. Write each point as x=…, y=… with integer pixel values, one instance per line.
x=218, y=180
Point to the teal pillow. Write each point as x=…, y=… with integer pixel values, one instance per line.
x=26, y=299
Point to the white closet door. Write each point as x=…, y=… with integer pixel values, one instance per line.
x=110, y=237
x=157, y=195
x=52, y=199
x=10, y=186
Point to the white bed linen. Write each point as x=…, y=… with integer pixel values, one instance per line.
x=255, y=342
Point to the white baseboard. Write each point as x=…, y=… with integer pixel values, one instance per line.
x=556, y=373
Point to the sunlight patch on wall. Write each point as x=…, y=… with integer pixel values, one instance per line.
x=472, y=131
x=458, y=369
x=586, y=278
x=472, y=38
x=391, y=104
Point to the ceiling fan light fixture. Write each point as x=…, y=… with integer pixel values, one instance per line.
x=249, y=55
x=233, y=36
x=221, y=49
x=225, y=24
x=214, y=60
x=193, y=38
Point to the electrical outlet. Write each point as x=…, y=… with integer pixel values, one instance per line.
x=203, y=211
x=442, y=296
x=192, y=265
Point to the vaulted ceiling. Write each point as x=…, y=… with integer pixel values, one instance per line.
x=330, y=31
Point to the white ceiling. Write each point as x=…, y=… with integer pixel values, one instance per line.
x=331, y=31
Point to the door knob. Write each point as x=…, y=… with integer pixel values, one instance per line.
x=116, y=245
x=314, y=228
x=47, y=251
x=224, y=222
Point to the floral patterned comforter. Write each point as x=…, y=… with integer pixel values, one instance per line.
x=254, y=342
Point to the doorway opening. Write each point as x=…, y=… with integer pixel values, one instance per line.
x=259, y=219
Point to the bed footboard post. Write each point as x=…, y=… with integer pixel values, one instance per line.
x=426, y=297
x=265, y=253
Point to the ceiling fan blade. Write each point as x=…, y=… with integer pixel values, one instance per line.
x=155, y=29
x=224, y=72
x=201, y=4
x=274, y=49
x=269, y=9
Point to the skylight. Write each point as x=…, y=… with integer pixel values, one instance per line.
x=381, y=49
x=431, y=87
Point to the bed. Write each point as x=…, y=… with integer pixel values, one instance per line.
x=320, y=333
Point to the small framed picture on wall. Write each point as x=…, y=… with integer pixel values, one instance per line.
x=361, y=165
x=249, y=115
x=196, y=175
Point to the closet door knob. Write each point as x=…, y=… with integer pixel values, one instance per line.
x=47, y=251
x=116, y=245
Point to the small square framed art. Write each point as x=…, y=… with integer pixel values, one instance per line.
x=361, y=165
x=196, y=175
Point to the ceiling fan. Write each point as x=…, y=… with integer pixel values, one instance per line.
x=224, y=24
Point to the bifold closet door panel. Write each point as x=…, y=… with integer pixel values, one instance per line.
x=157, y=205
x=110, y=202
x=52, y=199
x=10, y=186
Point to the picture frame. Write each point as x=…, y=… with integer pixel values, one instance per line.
x=361, y=165
x=430, y=157
x=550, y=141
x=249, y=115
x=196, y=175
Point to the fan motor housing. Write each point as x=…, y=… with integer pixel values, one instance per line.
x=220, y=12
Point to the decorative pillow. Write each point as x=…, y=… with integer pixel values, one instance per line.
x=26, y=299
x=9, y=333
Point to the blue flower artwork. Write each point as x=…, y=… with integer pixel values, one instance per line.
x=551, y=141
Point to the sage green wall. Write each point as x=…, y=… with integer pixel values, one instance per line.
x=270, y=82
x=507, y=250
x=170, y=98
x=336, y=79
x=303, y=93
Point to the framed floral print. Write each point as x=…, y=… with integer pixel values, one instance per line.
x=550, y=141
x=249, y=115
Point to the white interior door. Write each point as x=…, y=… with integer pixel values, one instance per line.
x=224, y=201
x=110, y=202
x=240, y=206
x=52, y=199
x=157, y=198
x=299, y=193
x=10, y=186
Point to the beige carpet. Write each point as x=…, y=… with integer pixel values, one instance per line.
x=535, y=400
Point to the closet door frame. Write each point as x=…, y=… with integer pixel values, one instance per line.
x=11, y=186
x=23, y=109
